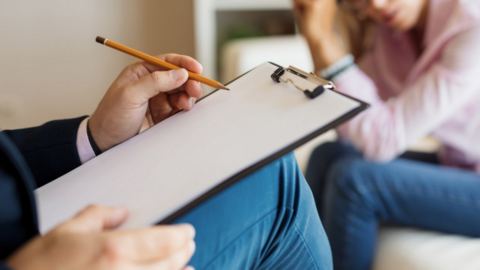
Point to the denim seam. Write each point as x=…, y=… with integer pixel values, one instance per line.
x=301, y=236
x=461, y=201
x=348, y=237
x=369, y=189
x=217, y=256
x=305, y=245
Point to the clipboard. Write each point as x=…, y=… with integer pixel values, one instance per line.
x=229, y=134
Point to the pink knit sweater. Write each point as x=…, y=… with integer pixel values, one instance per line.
x=413, y=95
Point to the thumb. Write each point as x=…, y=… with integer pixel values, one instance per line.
x=159, y=81
x=96, y=218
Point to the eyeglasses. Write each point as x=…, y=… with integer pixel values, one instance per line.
x=355, y=5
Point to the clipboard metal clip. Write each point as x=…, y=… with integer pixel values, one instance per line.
x=323, y=84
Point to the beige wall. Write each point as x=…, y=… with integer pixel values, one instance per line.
x=50, y=65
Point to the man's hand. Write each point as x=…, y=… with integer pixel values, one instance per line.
x=87, y=242
x=143, y=93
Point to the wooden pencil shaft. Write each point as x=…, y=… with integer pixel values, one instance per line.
x=158, y=62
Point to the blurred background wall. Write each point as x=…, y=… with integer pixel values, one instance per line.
x=50, y=65
x=52, y=68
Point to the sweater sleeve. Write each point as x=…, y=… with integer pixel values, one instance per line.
x=388, y=128
x=50, y=150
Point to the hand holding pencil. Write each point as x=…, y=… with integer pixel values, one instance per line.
x=141, y=96
x=144, y=94
x=158, y=62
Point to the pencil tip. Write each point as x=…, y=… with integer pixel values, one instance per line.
x=223, y=87
x=100, y=40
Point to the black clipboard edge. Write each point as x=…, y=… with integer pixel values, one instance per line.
x=257, y=166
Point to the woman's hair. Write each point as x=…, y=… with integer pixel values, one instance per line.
x=355, y=32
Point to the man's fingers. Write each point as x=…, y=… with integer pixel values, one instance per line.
x=159, y=81
x=149, y=245
x=160, y=108
x=180, y=101
x=176, y=261
x=96, y=218
x=181, y=61
x=185, y=101
x=193, y=89
x=184, y=62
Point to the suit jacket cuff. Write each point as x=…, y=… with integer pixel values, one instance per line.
x=3, y=266
x=50, y=150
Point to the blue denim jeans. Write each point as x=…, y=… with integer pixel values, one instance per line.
x=355, y=195
x=266, y=221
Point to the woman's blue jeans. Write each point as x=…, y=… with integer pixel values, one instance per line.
x=354, y=195
x=266, y=221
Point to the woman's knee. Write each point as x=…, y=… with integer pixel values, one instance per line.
x=352, y=177
x=329, y=150
x=321, y=160
x=326, y=154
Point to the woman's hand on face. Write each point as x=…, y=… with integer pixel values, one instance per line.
x=143, y=93
x=316, y=22
x=315, y=18
x=87, y=242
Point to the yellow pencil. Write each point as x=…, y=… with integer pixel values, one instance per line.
x=155, y=61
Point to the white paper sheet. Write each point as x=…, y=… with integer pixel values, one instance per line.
x=161, y=170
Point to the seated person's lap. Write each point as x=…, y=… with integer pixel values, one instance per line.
x=407, y=192
x=354, y=195
x=266, y=221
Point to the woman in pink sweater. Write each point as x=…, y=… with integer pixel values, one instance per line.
x=421, y=74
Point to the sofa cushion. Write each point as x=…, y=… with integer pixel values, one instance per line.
x=414, y=249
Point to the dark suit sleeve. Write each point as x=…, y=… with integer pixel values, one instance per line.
x=50, y=150
x=3, y=266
